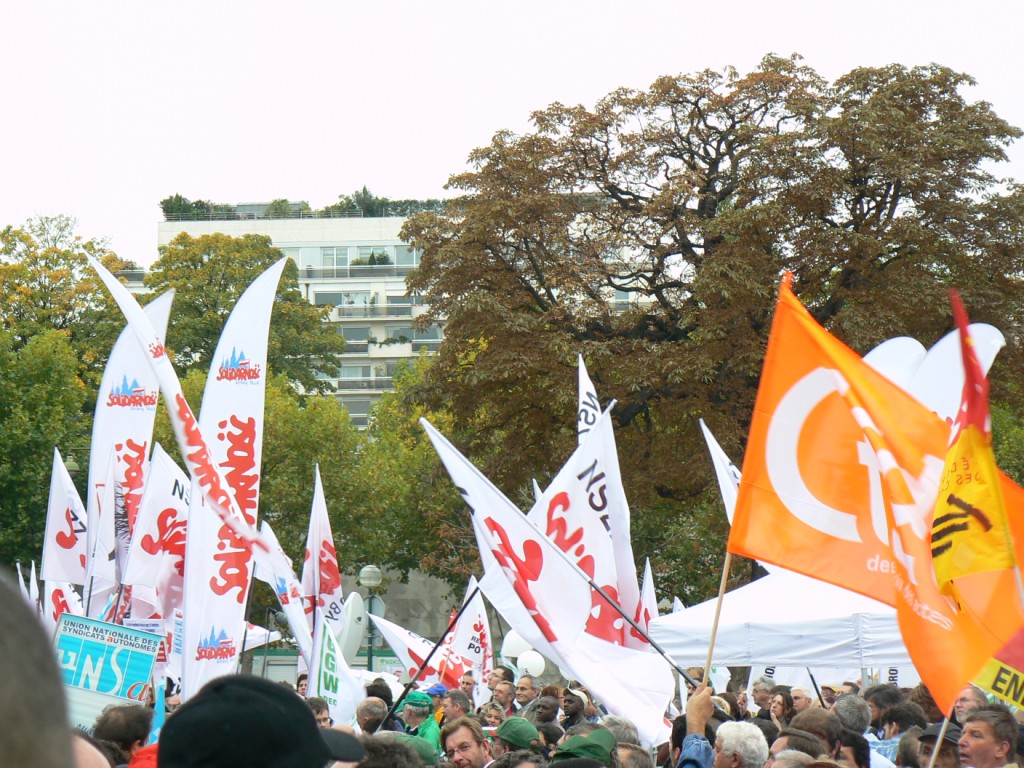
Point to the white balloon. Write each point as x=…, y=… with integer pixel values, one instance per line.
x=514, y=645
x=530, y=663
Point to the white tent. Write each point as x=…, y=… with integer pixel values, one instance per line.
x=785, y=619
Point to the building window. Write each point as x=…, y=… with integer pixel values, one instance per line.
x=335, y=256
x=406, y=256
x=401, y=332
x=356, y=333
x=355, y=372
x=373, y=254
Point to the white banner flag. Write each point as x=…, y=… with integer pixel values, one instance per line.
x=218, y=571
x=332, y=680
x=321, y=576
x=65, y=540
x=413, y=650
x=289, y=592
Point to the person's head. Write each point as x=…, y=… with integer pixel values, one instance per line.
x=739, y=745
x=908, y=746
x=89, y=753
x=921, y=696
x=782, y=706
x=573, y=702
x=386, y=751
x=624, y=730
x=899, y=717
x=631, y=755
x=526, y=690
x=504, y=692
x=761, y=691
x=743, y=703
x=825, y=725
x=989, y=737
x=321, y=711
x=597, y=744
x=301, y=683
x=493, y=715
x=547, y=709
x=498, y=674
x=381, y=690
x=829, y=693
x=794, y=739
x=970, y=698
x=456, y=704
x=880, y=698
x=465, y=744
x=467, y=684
x=550, y=733
x=242, y=721
x=417, y=707
x=370, y=713
x=853, y=712
x=514, y=733
x=33, y=715
x=127, y=725
x=855, y=751
x=436, y=692
x=948, y=748
x=802, y=699
x=848, y=687
x=697, y=675
x=789, y=758
x=520, y=758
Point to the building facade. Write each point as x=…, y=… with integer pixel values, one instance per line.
x=358, y=267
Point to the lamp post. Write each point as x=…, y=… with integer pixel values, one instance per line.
x=370, y=576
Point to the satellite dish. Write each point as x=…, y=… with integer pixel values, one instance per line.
x=355, y=627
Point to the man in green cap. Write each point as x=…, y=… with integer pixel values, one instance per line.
x=418, y=715
x=597, y=745
x=514, y=733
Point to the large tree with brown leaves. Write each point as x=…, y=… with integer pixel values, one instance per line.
x=648, y=234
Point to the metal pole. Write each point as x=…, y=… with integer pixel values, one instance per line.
x=370, y=633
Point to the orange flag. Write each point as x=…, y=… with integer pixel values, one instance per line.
x=839, y=482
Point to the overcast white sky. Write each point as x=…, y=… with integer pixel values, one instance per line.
x=108, y=107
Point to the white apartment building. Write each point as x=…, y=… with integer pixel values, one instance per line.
x=356, y=265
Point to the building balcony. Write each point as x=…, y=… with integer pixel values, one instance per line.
x=350, y=311
x=355, y=272
x=379, y=384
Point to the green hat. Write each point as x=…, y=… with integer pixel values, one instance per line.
x=596, y=745
x=423, y=748
x=518, y=732
x=419, y=699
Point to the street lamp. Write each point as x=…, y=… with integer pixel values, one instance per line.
x=370, y=576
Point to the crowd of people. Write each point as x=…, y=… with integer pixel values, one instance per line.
x=247, y=721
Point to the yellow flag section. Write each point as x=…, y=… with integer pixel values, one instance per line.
x=839, y=482
x=970, y=532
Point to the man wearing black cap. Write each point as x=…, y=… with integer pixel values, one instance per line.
x=949, y=752
x=241, y=721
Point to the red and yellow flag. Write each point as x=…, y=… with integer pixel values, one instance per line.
x=839, y=482
x=970, y=532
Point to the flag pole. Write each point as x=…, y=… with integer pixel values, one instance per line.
x=726, y=566
x=426, y=661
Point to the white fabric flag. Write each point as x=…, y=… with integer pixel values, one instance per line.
x=554, y=599
x=726, y=472
x=289, y=593
x=123, y=427
x=413, y=650
x=218, y=567
x=471, y=638
x=101, y=575
x=589, y=410
x=33, y=589
x=65, y=540
x=59, y=597
x=331, y=679
x=156, y=558
x=648, y=598
x=321, y=576
x=23, y=587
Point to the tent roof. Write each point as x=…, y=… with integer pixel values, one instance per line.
x=786, y=619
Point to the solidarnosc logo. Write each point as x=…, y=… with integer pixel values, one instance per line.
x=238, y=367
x=218, y=647
x=133, y=395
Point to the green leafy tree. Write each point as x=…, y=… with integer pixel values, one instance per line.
x=41, y=406
x=648, y=234
x=210, y=273
x=46, y=284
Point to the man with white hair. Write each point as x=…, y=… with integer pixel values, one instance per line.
x=740, y=745
x=802, y=699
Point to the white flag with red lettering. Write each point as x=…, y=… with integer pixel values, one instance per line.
x=289, y=593
x=123, y=425
x=59, y=597
x=321, y=576
x=589, y=410
x=65, y=541
x=413, y=650
x=218, y=567
x=156, y=557
x=554, y=598
x=471, y=637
